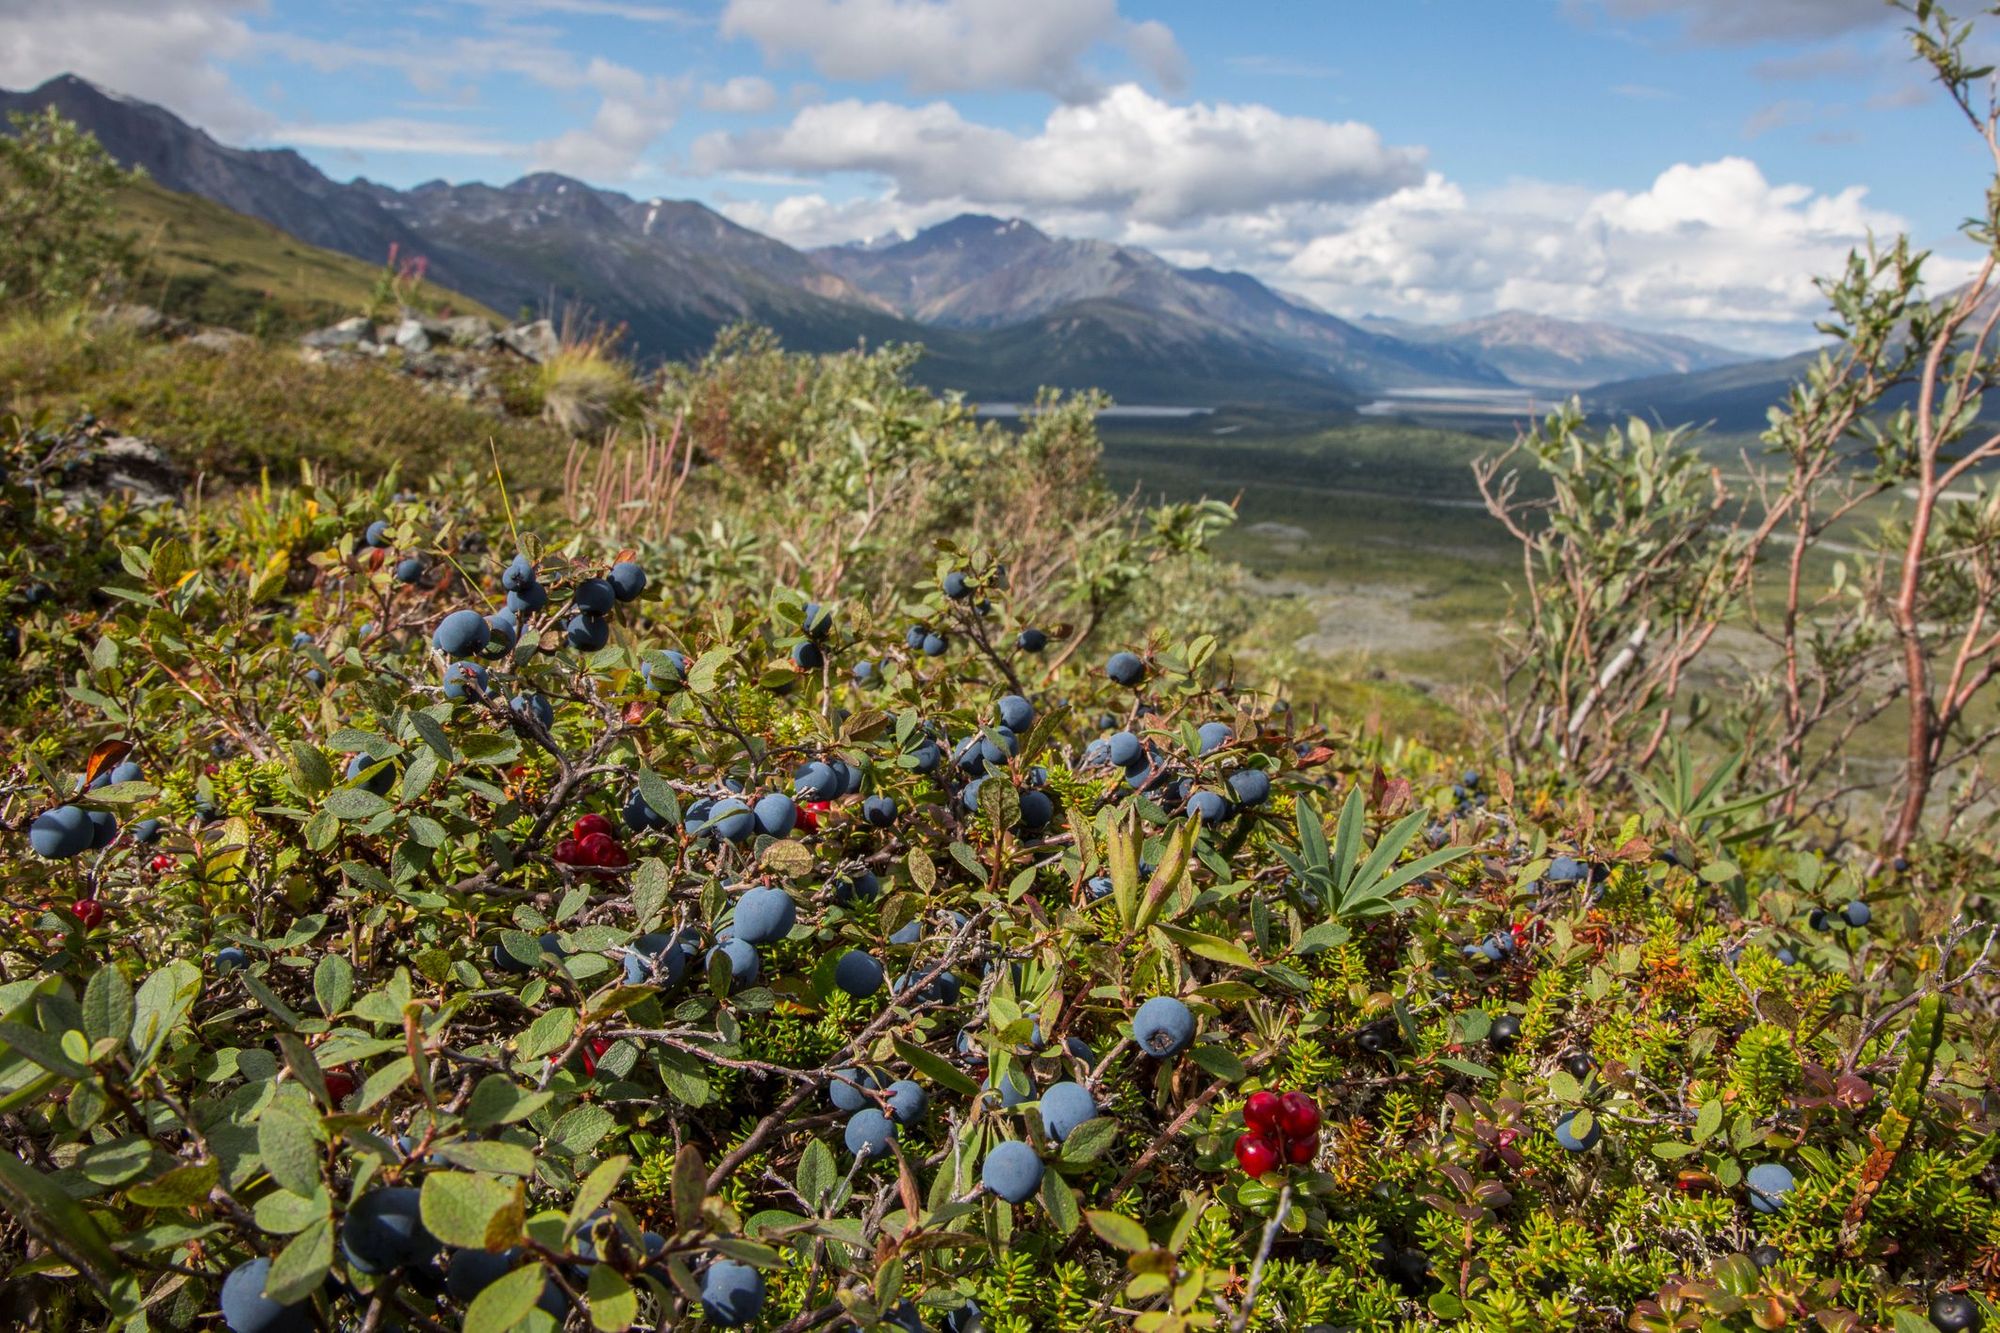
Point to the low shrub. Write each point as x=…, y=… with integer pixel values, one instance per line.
x=387, y=988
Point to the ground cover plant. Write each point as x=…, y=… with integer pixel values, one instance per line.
x=425, y=916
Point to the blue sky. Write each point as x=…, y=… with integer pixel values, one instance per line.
x=1677, y=165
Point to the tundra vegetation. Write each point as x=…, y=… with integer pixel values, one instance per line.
x=802, y=857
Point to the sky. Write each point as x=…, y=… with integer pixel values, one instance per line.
x=1677, y=166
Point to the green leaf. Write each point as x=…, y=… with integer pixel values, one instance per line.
x=43, y=1048
x=1466, y=1067
x=817, y=1172
x=1669, y=1150
x=164, y=999
x=549, y=1032
x=1209, y=946
x=597, y=1186
x=350, y=804
x=470, y=1211
x=333, y=984
x=1089, y=1140
x=60, y=1223
x=1060, y=1200
x=506, y=1302
x=107, y=1004
x=613, y=1303
x=580, y=1129
x=289, y=1147
x=1325, y=935
x=178, y=1188
x=1218, y=1060
x=1117, y=1230
x=1707, y=1120
x=690, y=1187
x=302, y=1265
x=509, y=1159
x=936, y=1068
x=498, y=1100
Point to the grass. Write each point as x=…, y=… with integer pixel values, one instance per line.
x=232, y=415
x=203, y=262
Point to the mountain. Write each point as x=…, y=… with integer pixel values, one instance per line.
x=978, y=272
x=1541, y=352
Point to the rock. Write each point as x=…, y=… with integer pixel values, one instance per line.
x=347, y=333
x=537, y=341
x=219, y=340
x=128, y=463
x=141, y=319
x=468, y=331
x=411, y=336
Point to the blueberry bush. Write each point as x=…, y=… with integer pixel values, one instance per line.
x=422, y=916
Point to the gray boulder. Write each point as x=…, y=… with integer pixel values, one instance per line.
x=537, y=341
x=347, y=333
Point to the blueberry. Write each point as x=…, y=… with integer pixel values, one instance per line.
x=409, y=569
x=743, y=965
x=1787, y=957
x=61, y=833
x=669, y=677
x=806, y=656
x=908, y=933
x=627, y=580
x=970, y=796
x=594, y=597
x=1124, y=749
x=463, y=633
x=1566, y=870
x=1249, y=786
x=1031, y=641
x=1857, y=914
x=1766, y=1256
x=1125, y=669
x=537, y=707
x=865, y=673
x=856, y=887
x=127, y=771
x=587, y=633
x=913, y=639
x=655, y=957
x=519, y=574
x=934, y=645
x=1163, y=1027
x=907, y=1101
x=858, y=974
x=731, y=821
x=1817, y=918
x=816, y=782
x=956, y=587
x=1769, y=1183
x=732, y=1294
x=1037, y=809
x=927, y=756
x=532, y=598
x=377, y=533
x=869, y=1133
x=1016, y=713
x=459, y=675
x=145, y=831
x=765, y=916
x=843, y=1092
x=1012, y=1171
x=879, y=810
x=384, y=1230
x=1208, y=806
x=1066, y=1105
x=1015, y=1088
x=229, y=958
x=776, y=815
x=103, y=828
x=1955, y=1312
x=1505, y=1033
x=1568, y=1139
x=1215, y=735
x=1099, y=886
x=816, y=621
x=245, y=1308
x=473, y=1271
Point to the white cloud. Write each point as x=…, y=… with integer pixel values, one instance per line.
x=162, y=51
x=1743, y=22
x=634, y=112
x=938, y=46
x=1713, y=250
x=634, y=11
x=1129, y=153
x=396, y=135
x=746, y=94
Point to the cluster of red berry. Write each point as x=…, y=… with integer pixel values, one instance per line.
x=592, y=844
x=1280, y=1129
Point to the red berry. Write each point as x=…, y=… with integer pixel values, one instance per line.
x=1256, y=1155
x=1260, y=1113
x=88, y=912
x=1297, y=1115
x=614, y=857
x=808, y=820
x=1301, y=1151
x=589, y=824
x=339, y=1086
x=163, y=862
x=598, y=849
x=568, y=853
x=592, y=1053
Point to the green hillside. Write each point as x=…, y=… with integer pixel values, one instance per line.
x=203, y=262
